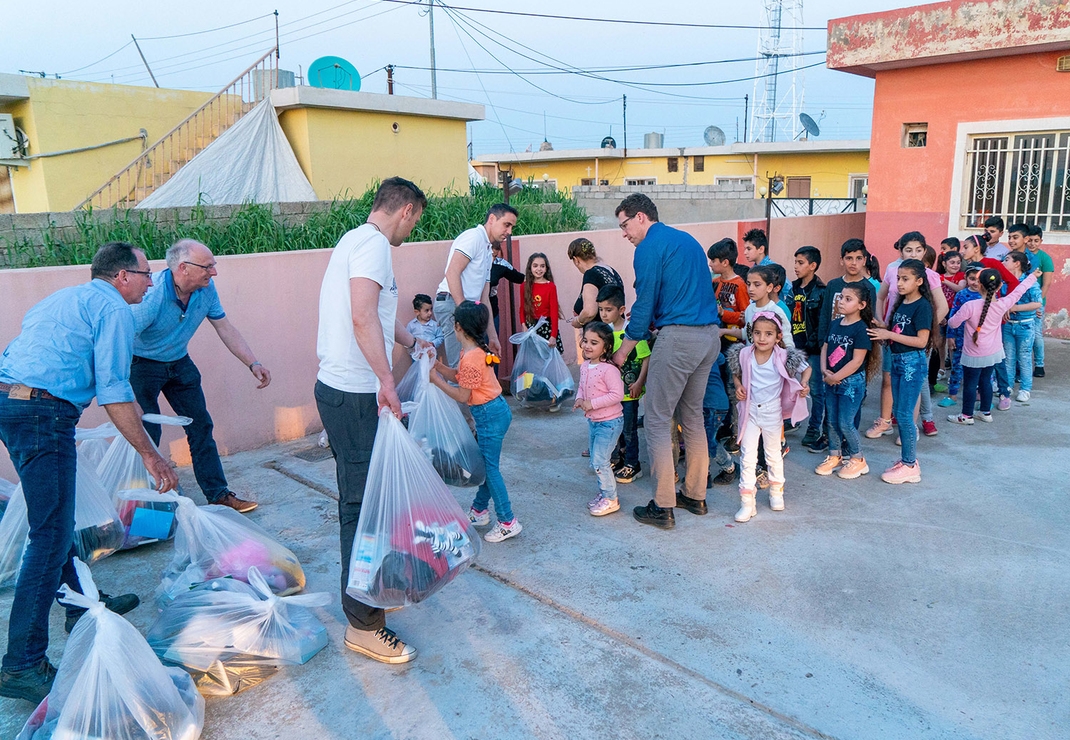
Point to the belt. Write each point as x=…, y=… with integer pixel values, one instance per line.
x=21, y=392
x=442, y=296
x=1019, y=321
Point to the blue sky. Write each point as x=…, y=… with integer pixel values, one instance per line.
x=573, y=111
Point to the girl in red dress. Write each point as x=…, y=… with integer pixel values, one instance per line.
x=540, y=299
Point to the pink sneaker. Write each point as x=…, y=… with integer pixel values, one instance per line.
x=879, y=429
x=902, y=473
x=1004, y=403
x=605, y=506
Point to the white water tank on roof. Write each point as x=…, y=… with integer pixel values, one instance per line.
x=653, y=140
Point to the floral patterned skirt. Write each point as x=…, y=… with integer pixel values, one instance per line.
x=544, y=332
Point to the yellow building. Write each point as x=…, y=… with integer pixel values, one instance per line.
x=810, y=169
x=347, y=140
x=77, y=135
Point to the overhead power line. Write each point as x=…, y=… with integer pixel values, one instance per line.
x=593, y=20
x=207, y=30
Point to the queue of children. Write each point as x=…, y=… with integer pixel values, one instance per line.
x=954, y=321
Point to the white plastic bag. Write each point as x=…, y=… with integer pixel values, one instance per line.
x=122, y=468
x=438, y=426
x=97, y=529
x=541, y=379
x=415, y=377
x=111, y=685
x=226, y=629
x=7, y=488
x=412, y=538
x=93, y=443
x=215, y=542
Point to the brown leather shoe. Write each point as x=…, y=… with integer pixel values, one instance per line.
x=239, y=505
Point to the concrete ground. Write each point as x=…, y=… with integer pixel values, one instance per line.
x=864, y=610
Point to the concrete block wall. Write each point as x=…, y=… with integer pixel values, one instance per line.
x=676, y=203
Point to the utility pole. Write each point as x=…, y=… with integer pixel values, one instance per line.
x=746, y=115
x=146, y=61
x=625, y=126
x=390, y=80
x=276, y=36
x=431, y=23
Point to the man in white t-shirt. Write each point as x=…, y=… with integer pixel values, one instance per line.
x=357, y=329
x=468, y=276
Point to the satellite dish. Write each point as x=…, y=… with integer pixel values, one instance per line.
x=809, y=125
x=713, y=136
x=334, y=73
x=609, y=143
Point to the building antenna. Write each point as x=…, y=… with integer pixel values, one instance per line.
x=431, y=25
x=780, y=44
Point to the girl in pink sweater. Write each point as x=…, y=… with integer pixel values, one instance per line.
x=983, y=346
x=600, y=394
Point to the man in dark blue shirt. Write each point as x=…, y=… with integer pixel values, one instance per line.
x=674, y=295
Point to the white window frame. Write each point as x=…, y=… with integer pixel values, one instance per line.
x=960, y=185
x=853, y=178
x=733, y=179
x=640, y=182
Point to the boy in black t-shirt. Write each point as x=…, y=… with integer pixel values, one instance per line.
x=804, y=301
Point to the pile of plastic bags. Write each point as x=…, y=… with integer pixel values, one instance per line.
x=412, y=538
x=541, y=379
x=110, y=684
x=218, y=542
x=438, y=426
x=232, y=635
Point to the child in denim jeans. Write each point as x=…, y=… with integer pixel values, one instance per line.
x=599, y=394
x=955, y=336
x=715, y=408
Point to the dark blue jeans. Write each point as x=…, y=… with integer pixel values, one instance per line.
x=492, y=422
x=910, y=371
x=842, y=405
x=628, y=446
x=180, y=383
x=977, y=380
x=39, y=436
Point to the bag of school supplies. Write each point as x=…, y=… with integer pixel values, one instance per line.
x=226, y=632
x=438, y=426
x=217, y=542
x=541, y=379
x=412, y=538
x=110, y=685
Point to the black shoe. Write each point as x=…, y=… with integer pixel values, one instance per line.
x=655, y=516
x=725, y=478
x=119, y=604
x=819, y=446
x=1038, y=372
x=811, y=436
x=32, y=684
x=731, y=446
x=790, y=426
x=693, y=505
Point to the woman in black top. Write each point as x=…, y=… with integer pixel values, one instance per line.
x=596, y=275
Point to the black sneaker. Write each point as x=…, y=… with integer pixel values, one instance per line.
x=628, y=473
x=818, y=446
x=654, y=515
x=725, y=477
x=119, y=604
x=1038, y=372
x=811, y=436
x=731, y=446
x=693, y=505
x=32, y=684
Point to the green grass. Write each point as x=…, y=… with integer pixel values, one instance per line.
x=253, y=228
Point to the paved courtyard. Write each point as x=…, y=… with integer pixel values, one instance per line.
x=938, y=610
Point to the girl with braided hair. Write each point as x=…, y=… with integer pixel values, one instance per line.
x=477, y=387
x=983, y=346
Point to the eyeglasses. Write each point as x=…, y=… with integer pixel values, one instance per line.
x=203, y=267
x=135, y=272
x=624, y=223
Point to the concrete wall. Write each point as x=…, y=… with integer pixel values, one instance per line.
x=64, y=114
x=342, y=152
x=676, y=203
x=273, y=300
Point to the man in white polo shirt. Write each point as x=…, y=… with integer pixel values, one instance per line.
x=468, y=275
x=357, y=329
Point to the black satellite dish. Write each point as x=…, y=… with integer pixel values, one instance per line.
x=609, y=143
x=809, y=125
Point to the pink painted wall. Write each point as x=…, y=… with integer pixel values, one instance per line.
x=273, y=300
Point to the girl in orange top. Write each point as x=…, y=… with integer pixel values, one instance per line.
x=540, y=299
x=477, y=387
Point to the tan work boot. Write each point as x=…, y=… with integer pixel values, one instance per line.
x=381, y=645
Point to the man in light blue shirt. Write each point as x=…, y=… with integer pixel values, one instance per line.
x=75, y=345
x=181, y=298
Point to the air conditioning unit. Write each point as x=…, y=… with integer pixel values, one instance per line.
x=12, y=143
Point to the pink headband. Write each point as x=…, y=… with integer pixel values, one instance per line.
x=771, y=315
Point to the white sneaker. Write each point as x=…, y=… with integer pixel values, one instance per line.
x=479, y=518
x=503, y=531
x=776, y=499
x=986, y=418
x=747, y=509
x=1023, y=397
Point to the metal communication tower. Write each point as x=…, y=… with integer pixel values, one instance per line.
x=778, y=87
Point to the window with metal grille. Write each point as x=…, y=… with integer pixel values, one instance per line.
x=640, y=181
x=915, y=135
x=674, y=164
x=587, y=181
x=1020, y=177
x=700, y=163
